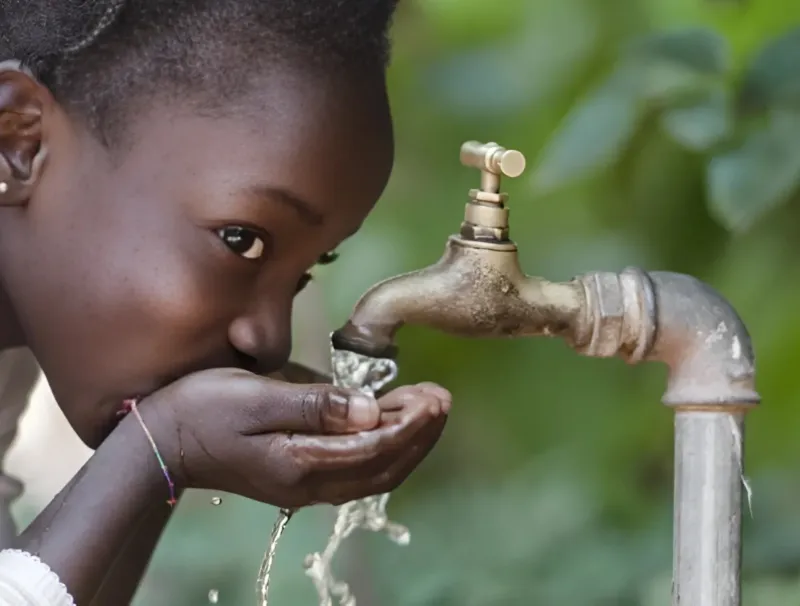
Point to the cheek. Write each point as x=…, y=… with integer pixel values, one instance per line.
x=125, y=307
x=162, y=295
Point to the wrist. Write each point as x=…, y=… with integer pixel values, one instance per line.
x=145, y=437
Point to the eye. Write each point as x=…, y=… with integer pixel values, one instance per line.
x=243, y=241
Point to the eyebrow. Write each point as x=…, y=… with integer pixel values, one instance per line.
x=303, y=208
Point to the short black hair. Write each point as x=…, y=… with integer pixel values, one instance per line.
x=98, y=56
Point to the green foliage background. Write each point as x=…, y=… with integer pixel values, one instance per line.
x=660, y=133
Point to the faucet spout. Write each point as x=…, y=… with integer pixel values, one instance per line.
x=477, y=290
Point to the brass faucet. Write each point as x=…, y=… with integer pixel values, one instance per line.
x=477, y=289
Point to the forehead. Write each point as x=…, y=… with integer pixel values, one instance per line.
x=326, y=140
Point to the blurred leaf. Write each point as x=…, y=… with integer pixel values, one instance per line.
x=452, y=82
x=748, y=181
x=702, y=124
x=773, y=79
x=696, y=49
x=678, y=64
x=518, y=70
x=664, y=83
x=454, y=20
x=594, y=135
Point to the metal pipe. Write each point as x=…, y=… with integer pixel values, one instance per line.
x=691, y=328
x=711, y=386
x=477, y=289
x=707, y=513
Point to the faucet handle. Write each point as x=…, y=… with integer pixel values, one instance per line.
x=493, y=158
x=485, y=216
x=493, y=161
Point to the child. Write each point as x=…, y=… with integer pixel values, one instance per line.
x=169, y=171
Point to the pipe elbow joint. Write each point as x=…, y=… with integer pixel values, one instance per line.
x=705, y=343
x=680, y=321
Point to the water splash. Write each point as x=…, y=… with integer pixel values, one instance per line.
x=367, y=375
x=262, y=582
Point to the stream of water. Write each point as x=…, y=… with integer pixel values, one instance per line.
x=367, y=375
x=262, y=582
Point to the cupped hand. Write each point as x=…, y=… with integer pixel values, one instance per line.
x=292, y=445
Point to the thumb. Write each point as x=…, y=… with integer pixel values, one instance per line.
x=275, y=406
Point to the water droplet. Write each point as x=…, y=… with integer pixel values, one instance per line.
x=213, y=596
x=399, y=534
x=216, y=501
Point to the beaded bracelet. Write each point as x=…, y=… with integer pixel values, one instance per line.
x=131, y=405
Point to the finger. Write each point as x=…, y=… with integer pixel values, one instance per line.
x=344, y=486
x=275, y=406
x=398, y=398
x=373, y=468
x=402, y=396
x=326, y=453
x=428, y=403
x=444, y=396
x=434, y=407
x=436, y=390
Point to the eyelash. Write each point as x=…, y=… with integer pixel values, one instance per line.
x=325, y=259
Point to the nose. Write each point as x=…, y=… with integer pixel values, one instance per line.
x=263, y=336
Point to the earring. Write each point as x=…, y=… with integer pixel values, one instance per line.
x=13, y=191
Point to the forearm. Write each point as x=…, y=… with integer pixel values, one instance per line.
x=125, y=574
x=87, y=525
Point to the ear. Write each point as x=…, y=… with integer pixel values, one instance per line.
x=22, y=151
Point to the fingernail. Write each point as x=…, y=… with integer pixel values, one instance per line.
x=340, y=406
x=363, y=411
x=436, y=390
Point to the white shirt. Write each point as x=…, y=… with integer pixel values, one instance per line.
x=27, y=581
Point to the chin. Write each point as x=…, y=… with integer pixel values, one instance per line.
x=93, y=429
x=95, y=435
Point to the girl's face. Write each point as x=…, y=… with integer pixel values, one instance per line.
x=185, y=250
